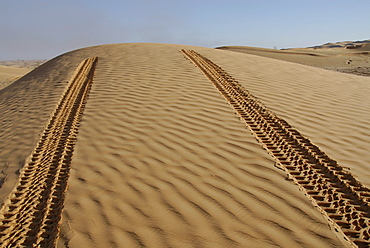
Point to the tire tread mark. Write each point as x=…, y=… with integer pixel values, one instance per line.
x=339, y=196
x=31, y=214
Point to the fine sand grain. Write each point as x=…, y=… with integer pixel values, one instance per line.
x=162, y=159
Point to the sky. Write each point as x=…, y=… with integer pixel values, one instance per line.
x=43, y=29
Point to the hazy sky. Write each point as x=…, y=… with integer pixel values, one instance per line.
x=42, y=29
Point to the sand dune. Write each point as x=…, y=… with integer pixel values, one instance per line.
x=163, y=160
x=343, y=44
x=364, y=47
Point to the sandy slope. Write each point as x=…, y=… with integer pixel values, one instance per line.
x=329, y=107
x=161, y=159
x=25, y=107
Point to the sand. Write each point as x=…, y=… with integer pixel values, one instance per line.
x=163, y=160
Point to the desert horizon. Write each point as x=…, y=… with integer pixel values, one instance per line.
x=163, y=145
x=354, y=59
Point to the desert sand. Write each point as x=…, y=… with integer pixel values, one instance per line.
x=137, y=146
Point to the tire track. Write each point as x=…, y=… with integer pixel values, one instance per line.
x=30, y=216
x=342, y=199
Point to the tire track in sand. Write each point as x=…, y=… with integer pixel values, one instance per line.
x=342, y=199
x=30, y=216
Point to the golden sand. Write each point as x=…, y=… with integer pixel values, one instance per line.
x=163, y=160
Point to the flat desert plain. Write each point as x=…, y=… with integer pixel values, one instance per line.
x=158, y=145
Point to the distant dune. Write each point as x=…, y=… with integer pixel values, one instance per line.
x=10, y=71
x=10, y=74
x=30, y=64
x=158, y=145
x=348, y=57
x=344, y=44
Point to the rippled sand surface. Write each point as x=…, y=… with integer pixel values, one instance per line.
x=162, y=160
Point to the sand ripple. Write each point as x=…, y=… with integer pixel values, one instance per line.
x=328, y=107
x=163, y=161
